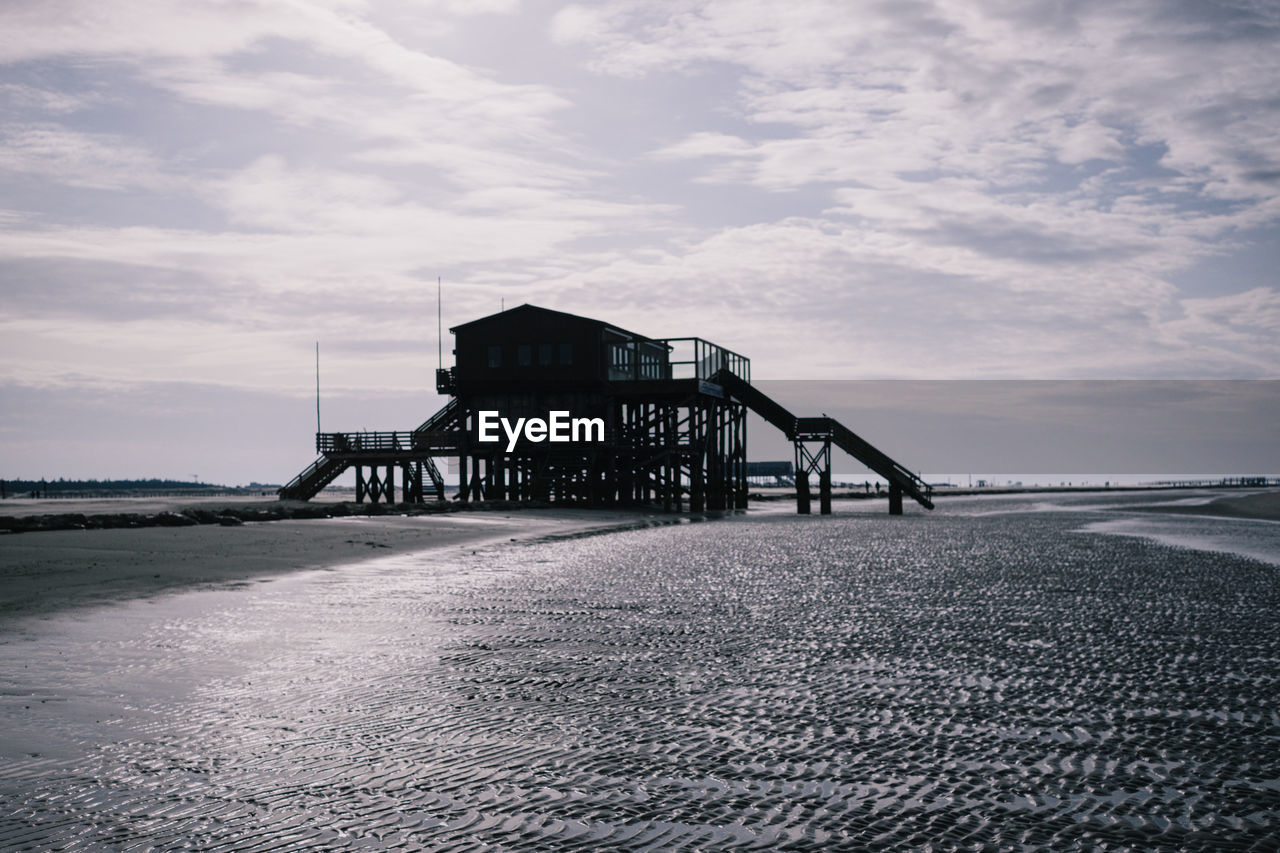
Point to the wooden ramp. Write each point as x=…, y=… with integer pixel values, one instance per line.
x=313, y=478
x=827, y=431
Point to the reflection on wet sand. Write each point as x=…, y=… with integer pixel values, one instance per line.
x=771, y=682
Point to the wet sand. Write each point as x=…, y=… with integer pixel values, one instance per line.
x=48, y=571
x=22, y=507
x=988, y=676
x=1263, y=505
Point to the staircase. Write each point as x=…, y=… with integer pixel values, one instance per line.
x=812, y=429
x=315, y=477
x=328, y=467
x=448, y=419
x=445, y=420
x=857, y=447
x=437, y=482
x=755, y=400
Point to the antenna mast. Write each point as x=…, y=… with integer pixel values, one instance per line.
x=317, y=386
x=439, y=330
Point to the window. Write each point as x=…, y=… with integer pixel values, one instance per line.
x=621, y=359
x=544, y=355
x=650, y=365
x=495, y=356
x=524, y=355
x=566, y=353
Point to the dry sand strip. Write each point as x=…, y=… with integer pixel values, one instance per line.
x=48, y=571
x=1261, y=505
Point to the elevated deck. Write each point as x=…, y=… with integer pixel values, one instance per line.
x=414, y=452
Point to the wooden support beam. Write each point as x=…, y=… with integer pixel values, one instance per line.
x=664, y=447
x=802, y=481
x=697, y=457
x=895, y=499
x=411, y=476
x=462, y=476
x=824, y=488
x=808, y=463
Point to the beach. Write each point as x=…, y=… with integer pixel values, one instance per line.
x=51, y=570
x=993, y=674
x=1262, y=505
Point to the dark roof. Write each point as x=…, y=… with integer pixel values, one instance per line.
x=531, y=309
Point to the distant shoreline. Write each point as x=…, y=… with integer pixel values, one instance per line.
x=179, y=509
x=1260, y=504
x=788, y=493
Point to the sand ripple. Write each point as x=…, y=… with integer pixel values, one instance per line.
x=951, y=682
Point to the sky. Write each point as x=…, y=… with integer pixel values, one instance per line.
x=192, y=194
x=1145, y=430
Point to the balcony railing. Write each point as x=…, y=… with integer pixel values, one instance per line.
x=377, y=442
x=442, y=443
x=695, y=358
x=673, y=358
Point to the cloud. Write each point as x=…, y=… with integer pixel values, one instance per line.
x=140, y=29
x=19, y=98
x=705, y=144
x=198, y=192
x=316, y=166
x=928, y=188
x=972, y=89
x=189, y=48
x=814, y=298
x=983, y=154
x=95, y=160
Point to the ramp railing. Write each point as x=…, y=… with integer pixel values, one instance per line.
x=313, y=478
x=821, y=428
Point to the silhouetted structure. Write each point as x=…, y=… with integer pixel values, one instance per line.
x=673, y=412
x=783, y=473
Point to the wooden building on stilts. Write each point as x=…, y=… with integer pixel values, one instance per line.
x=670, y=418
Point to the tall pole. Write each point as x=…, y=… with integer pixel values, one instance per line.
x=317, y=386
x=439, y=330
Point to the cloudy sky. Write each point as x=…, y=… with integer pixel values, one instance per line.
x=193, y=193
